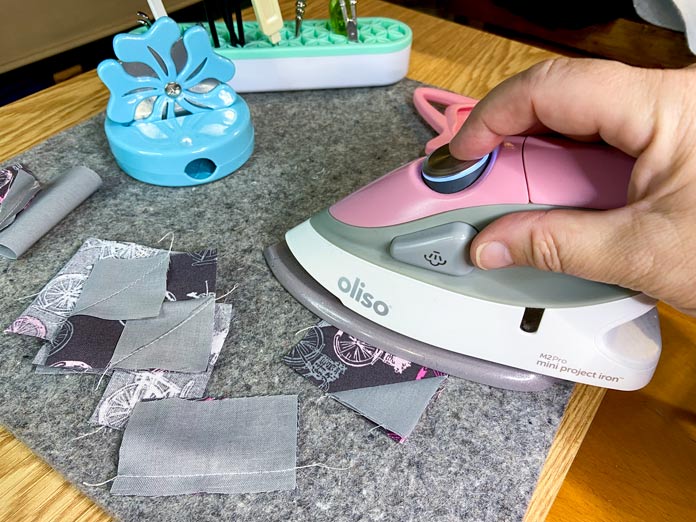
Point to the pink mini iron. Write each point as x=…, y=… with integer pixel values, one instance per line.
x=390, y=264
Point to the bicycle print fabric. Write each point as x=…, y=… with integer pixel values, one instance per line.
x=56, y=301
x=18, y=186
x=336, y=361
x=388, y=390
x=191, y=275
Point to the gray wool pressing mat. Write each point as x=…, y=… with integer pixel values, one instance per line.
x=476, y=453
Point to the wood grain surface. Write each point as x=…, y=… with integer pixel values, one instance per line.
x=611, y=476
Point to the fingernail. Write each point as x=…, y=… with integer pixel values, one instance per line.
x=493, y=254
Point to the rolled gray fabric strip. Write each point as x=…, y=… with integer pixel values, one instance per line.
x=49, y=207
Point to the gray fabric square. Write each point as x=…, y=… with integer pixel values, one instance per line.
x=396, y=407
x=177, y=446
x=177, y=340
x=121, y=289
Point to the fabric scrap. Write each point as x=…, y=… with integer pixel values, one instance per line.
x=177, y=340
x=84, y=343
x=122, y=289
x=336, y=361
x=395, y=407
x=187, y=275
x=228, y=446
x=388, y=390
x=18, y=186
x=57, y=199
x=56, y=301
x=192, y=275
x=126, y=388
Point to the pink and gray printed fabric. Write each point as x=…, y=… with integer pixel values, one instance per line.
x=29, y=210
x=390, y=391
x=146, y=316
x=18, y=186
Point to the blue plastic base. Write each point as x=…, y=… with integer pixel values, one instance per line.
x=184, y=151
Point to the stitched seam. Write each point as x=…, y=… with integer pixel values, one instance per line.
x=166, y=258
x=208, y=301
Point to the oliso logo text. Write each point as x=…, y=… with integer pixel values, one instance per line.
x=356, y=290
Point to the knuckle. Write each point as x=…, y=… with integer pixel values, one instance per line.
x=639, y=261
x=545, y=252
x=549, y=68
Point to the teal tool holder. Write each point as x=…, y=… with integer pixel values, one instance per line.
x=319, y=58
x=172, y=119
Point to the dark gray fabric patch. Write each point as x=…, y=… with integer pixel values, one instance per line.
x=121, y=289
x=176, y=447
x=84, y=343
x=192, y=274
x=177, y=340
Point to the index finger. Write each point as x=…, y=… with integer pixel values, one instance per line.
x=575, y=97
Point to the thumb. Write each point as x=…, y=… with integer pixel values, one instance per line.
x=595, y=245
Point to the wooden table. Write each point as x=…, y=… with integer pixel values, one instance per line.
x=638, y=461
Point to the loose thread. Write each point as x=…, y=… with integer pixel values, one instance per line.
x=27, y=296
x=171, y=243
x=298, y=332
x=313, y=465
x=88, y=434
x=228, y=293
x=195, y=312
x=97, y=484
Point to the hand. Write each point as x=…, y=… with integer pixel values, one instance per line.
x=648, y=245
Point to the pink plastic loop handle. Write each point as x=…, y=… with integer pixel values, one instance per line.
x=457, y=109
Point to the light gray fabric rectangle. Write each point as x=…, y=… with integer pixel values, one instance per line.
x=49, y=207
x=122, y=289
x=24, y=187
x=176, y=446
x=177, y=340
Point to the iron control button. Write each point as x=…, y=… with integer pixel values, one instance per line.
x=445, y=174
x=444, y=248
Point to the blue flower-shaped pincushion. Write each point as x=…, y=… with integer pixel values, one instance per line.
x=172, y=119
